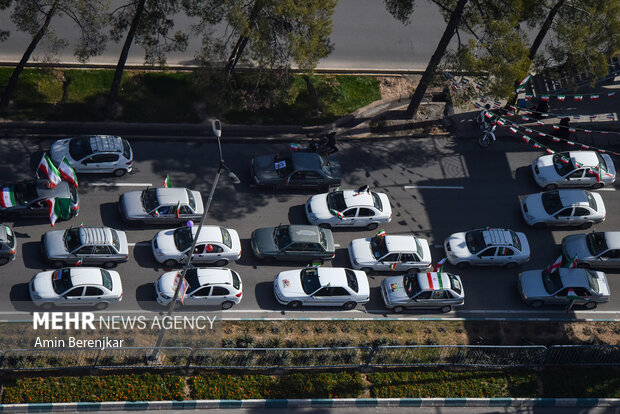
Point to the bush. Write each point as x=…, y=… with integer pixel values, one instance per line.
x=581, y=382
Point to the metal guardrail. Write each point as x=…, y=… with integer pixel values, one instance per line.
x=478, y=356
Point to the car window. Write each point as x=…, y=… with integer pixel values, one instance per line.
x=562, y=163
x=439, y=294
x=25, y=192
x=109, y=158
x=590, y=173
x=424, y=295
x=377, y=201
x=352, y=212
x=324, y=292
x=411, y=285
x=226, y=239
x=475, y=241
x=183, y=238
x=455, y=283
x=102, y=250
x=551, y=201
x=323, y=239
x=213, y=248
x=296, y=247
x=80, y=148
x=366, y=212
x=310, y=280
x=199, y=248
x=488, y=252
x=592, y=280
x=612, y=254
x=298, y=175
x=93, y=291
x=106, y=279
x=72, y=239
x=84, y=250
x=351, y=280
x=390, y=258
x=10, y=237
x=408, y=257
x=219, y=291
x=566, y=212
x=75, y=292
x=202, y=292
x=551, y=281
x=580, y=211
x=191, y=276
x=61, y=280
x=335, y=201
x=340, y=291
x=601, y=161
x=126, y=149
x=575, y=174
x=378, y=247
x=94, y=159
x=149, y=199
x=191, y=200
x=505, y=251
x=313, y=247
x=236, y=280
x=516, y=242
x=591, y=200
x=185, y=210
x=281, y=236
x=116, y=241
x=313, y=175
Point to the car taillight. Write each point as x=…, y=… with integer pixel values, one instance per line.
x=121, y=296
x=333, y=255
x=12, y=251
x=127, y=257
x=129, y=163
x=239, y=294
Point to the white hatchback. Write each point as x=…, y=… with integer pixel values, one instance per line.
x=94, y=154
x=390, y=253
x=487, y=247
x=574, y=169
x=349, y=208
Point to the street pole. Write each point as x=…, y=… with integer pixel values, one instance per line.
x=216, y=125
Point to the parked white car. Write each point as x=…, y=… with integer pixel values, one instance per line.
x=321, y=286
x=160, y=205
x=206, y=287
x=563, y=208
x=429, y=290
x=390, y=253
x=595, y=249
x=215, y=244
x=574, y=169
x=349, y=208
x=487, y=247
x=76, y=286
x=94, y=154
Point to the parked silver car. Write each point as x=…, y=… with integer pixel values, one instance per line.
x=161, y=206
x=94, y=154
x=563, y=208
x=85, y=245
x=427, y=290
x=596, y=249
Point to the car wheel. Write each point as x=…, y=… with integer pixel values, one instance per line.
x=537, y=304
x=511, y=265
x=372, y=226
x=596, y=186
x=101, y=305
x=398, y=309
x=445, y=309
x=222, y=262
x=462, y=265
x=119, y=172
x=317, y=261
x=539, y=225
x=590, y=305
x=171, y=263
x=586, y=225
x=294, y=304
x=57, y=263
x=47, y=306
x=551, y=187
x=366, y=269
x=4, y=260
x=349, y=305
x=325, y=226
x=227, y=305
x=109, y=265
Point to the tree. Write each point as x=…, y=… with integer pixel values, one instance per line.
x=35, y=17
x=148, y=23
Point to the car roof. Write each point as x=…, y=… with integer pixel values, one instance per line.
x=95, y=235
x=573, y=277
x=613, y=239
x=214, y=276
x=573, y=198
x=61, y=190
x=334, y=276
x=86, y=276
x=168, y=196
x=425, y=278
x=106, y=143
x=300, y=233
x=209, y=234
x=306, y=161
x=585, y=158
x=354, y=199
x=400, y=243
x=497, y=237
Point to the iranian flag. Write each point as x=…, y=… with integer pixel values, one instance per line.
x=337, y=213
x=439, y=266
x=611, y=94
x=572, y=263
x=561, y=98
x=594, y=97
x=167, y=181
x=578, y=98
x=524, y=82
x=8, y=198
x=51, y=208
x=68, y=173
x=177, y=210
x=49, y=169
x=556, y=265
x=434, y=280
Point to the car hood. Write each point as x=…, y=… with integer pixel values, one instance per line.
x=318, y=204
x=60, y=149
x=54, y=244
x=395, y=288
x=42, y=285
x=458, y=245
x=264, y=168
x=360, y=250
x=165, y=242
x=289, y=284
x=263, y=240
x=576, y=245
x=546, y=169
x=335, y=167
x=532, y=284
x=534, y=205
x=132, y=204
x=164, y=283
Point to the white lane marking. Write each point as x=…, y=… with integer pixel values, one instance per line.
x=336, y=245
x=142, y=243
x=438, y=246
x=434, y=187
x=120, y=184
x=606, y=189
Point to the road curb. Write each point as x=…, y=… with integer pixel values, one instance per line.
x=310, y=403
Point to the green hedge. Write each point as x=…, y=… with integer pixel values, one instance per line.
x=327, y=385
x=581, y=383
x=147, y=387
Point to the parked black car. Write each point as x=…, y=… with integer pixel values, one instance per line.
x=295, y=170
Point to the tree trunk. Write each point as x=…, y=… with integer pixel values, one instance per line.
x=12, y=84
x=545, y=28
x=237, y=51
x=429, y=73
x=120, y=66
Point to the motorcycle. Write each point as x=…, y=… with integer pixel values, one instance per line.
x=324, y=145
x=481, y=119
x=485, y=139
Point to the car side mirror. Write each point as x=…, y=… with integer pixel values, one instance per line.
x=84, y=162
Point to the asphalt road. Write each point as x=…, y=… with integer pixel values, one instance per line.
x=460, y=187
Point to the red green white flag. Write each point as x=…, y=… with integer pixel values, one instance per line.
x=337, y=213
x=524, y=82
x=7, y=198
x=67, y=172
x=51, y=209
x=177, y=210
x=434, y=280
x=556, y=265
x=167, y=181
x=439, y=266
x=572, y=263
x=49, y=169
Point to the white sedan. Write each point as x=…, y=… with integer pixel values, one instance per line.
x=487, y=247
x=206, y=287
x=76, y=286
x=215, y=244
x=349, y=208
x=574, y=169
x=563, y=208
x=321, y=286
x=390, y=253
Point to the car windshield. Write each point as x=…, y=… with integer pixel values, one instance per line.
x=126, y=149
x=596, y=243
x=281, y=236
x=516, y=242
x=106, y=279
x=412, y=287
x=283, y=165
x=10, y=237
x=562, y=163
x=377, y=201
x=183, y=238
x=551, y=201
x=378, y=247
x=191, y=275
x=323, y=239
x=352, y=280
x=80, y=148
x=61, y=280
x=592, y=280
x=601, y=162
x=551, y=281
x=310, y=280
x=226, y=239
x=192, y=201
x=74, y=194
x=335, y=201
x=591, y=200
x=455, y=283
x=235, y=279
x=72, y=239
x=25, y=192
x=149, y=200
x=475, y=241
x=325, y=166
x=116, y=241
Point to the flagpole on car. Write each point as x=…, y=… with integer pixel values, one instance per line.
x=216, y=126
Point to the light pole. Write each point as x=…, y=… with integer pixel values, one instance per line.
x=216, y=126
